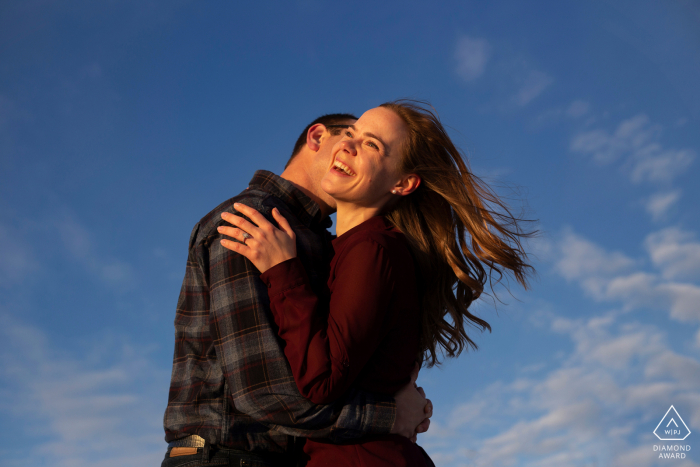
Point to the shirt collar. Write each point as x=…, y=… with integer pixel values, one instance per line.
x=304, y=208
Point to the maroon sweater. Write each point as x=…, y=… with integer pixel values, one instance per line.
x=367, y=337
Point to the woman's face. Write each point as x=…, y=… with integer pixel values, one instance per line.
x=363, y=168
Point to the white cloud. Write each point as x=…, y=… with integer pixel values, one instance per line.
x=73, y=411
x=653, y=163
x=659, y=204
x=581, y=258
x=533, y=83
x=472, y=54
x=635, y=142
x=675, y=252
x=577, y=108
x=607, y=276
x=684, y=299
x=597, y=408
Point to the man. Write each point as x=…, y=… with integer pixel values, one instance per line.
x=232, y=395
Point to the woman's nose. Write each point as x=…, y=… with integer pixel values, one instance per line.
x=348, y=146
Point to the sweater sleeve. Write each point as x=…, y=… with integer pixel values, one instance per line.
x=327, y=345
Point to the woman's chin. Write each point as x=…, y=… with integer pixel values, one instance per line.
x=329, y=187
x=335, y=193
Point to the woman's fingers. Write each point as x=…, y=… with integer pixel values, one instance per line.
x=233, y=232
x=263, y=244
x=254, y=216
x=240, y=222
x=235, y=246
x=282, y=222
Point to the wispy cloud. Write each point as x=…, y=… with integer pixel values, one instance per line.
x=578, y=108
x=575, y=110
x=581, y=258
x=18, y=260
x=636, y=143
x=103, y=408
x=659, y=204
x=532, y=83
x=675, y=252
x=610, y=276
x=472, y=54
x=598, y=407
x=517, y=80
x=80, y=245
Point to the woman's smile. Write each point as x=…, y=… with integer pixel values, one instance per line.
x=342, y=168
x=363, y=167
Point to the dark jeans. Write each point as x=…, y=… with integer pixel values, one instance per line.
x=211, y=456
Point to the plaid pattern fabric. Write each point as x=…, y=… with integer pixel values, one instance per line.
x=231, y=383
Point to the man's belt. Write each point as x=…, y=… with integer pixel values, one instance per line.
x=193, y=444
x=185, y=446
x=191, y=441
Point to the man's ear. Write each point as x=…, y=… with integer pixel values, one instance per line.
x=407, y=185
x=313, y=136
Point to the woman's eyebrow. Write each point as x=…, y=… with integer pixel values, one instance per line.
x=371, y=135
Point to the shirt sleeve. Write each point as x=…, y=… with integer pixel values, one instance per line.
x=253, y=363
x=328, y=350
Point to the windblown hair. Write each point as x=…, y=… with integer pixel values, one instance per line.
x=335, y=124
x=461, y=233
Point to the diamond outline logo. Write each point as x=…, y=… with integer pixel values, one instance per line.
x=674, y=421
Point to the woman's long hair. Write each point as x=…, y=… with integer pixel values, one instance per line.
x=461, y=234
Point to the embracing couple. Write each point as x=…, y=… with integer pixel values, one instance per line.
x=293, y=347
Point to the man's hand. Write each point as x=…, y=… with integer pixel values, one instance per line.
x=428, y=411
x=413, y=410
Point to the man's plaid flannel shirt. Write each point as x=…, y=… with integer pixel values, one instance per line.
x=231, y=383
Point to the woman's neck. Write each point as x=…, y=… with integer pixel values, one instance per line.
x=351, y=215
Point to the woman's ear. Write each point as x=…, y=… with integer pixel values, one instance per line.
x=407, y=185
x=313, y=136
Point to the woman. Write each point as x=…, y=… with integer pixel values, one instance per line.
x=418, y=237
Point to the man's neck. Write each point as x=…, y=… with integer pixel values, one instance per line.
x=301, y=181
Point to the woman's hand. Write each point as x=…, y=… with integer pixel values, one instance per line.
x=263, y=244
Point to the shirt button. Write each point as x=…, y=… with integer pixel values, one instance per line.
x=269, y=286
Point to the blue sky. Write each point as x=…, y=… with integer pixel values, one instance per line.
x=123, y=123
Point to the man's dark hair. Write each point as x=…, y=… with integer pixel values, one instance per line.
x=327, y=121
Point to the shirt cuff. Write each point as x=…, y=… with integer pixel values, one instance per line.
x=379, y=417
x=284, y=276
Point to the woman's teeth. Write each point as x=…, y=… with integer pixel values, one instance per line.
x=343, y=168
